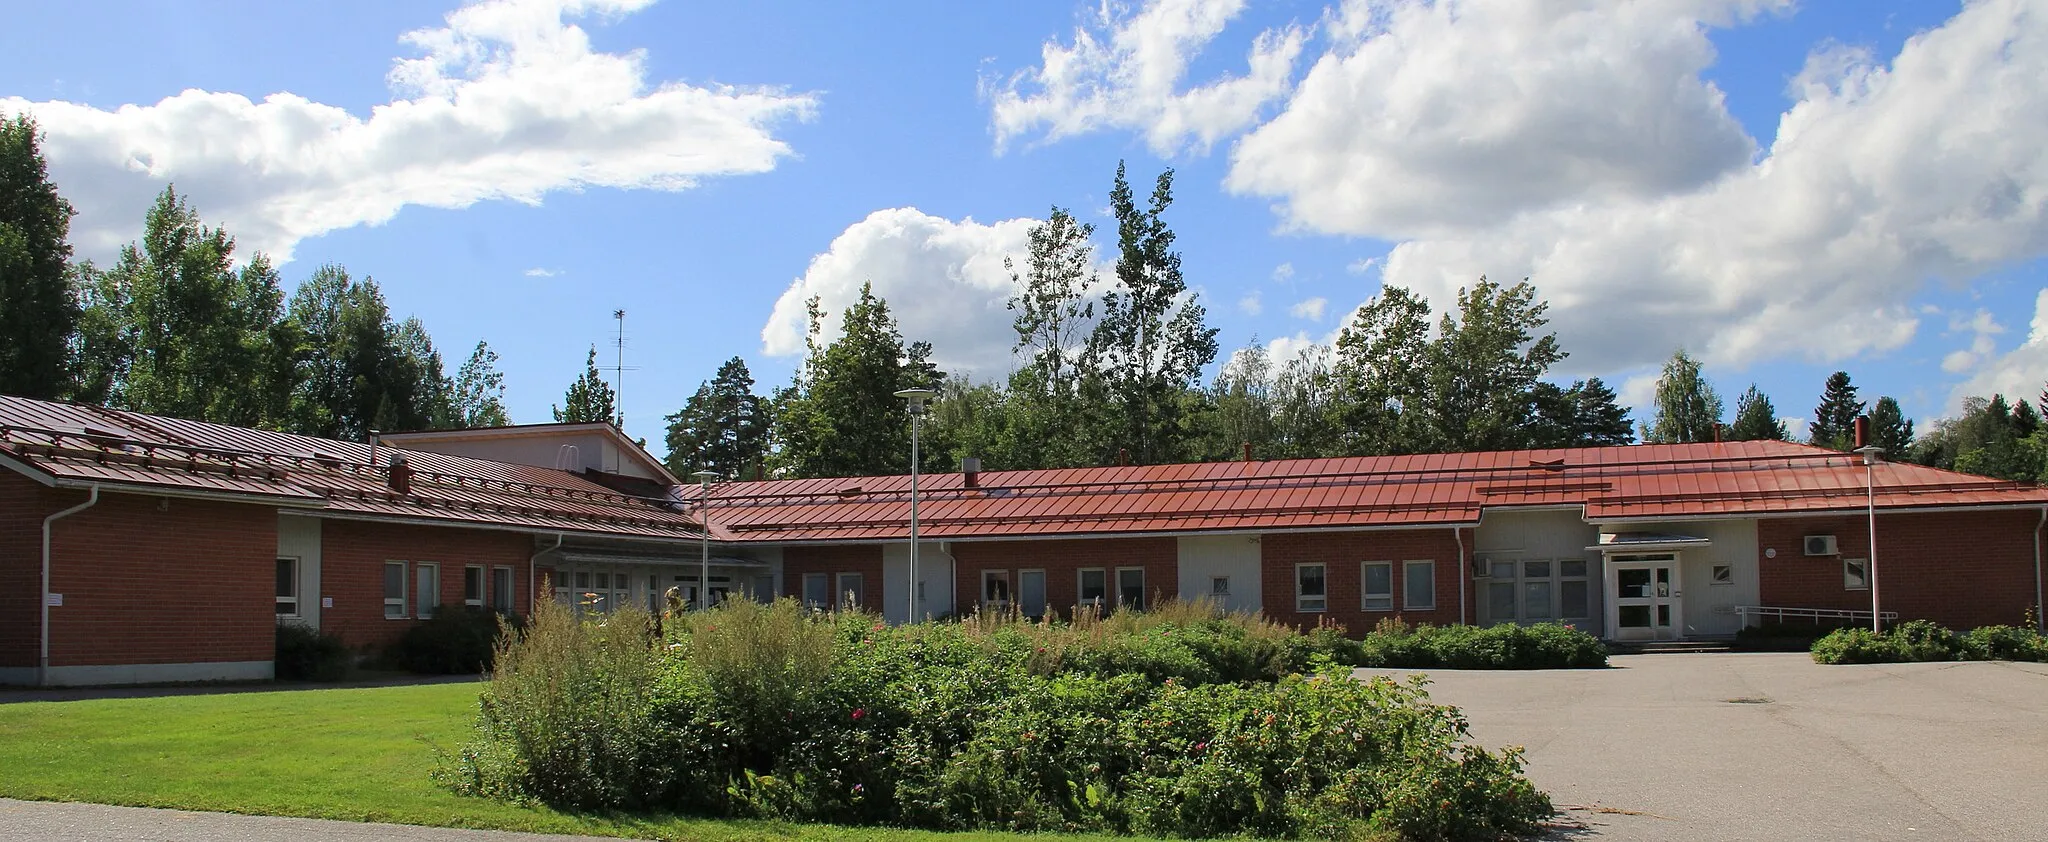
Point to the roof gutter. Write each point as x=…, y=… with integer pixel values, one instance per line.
x=43, y=657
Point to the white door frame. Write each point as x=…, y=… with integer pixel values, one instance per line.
x=1665, y=592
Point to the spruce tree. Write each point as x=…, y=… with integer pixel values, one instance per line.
x=1756, y=419
x=722, y=428
x=1891, y=429
x=589, y=398
x=38, y=306
x=842, y=416
x=1834, y=420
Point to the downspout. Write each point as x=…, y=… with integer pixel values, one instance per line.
x=1464, y=571
x=43, y=663
x=2040, y=616
x=533, y=578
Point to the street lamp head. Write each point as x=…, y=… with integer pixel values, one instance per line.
x=705, y=478
x=1872, y=454
x=916, y=398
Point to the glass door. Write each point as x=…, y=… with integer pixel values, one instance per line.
x=1646, y=601
x=1031, y=592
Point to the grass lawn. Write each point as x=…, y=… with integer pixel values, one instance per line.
x=355, y=754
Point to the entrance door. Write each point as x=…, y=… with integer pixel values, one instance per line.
x=1646, y=601
x=1031, y=592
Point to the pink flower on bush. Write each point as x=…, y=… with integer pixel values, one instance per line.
x=859, y=712
x=1201, y=746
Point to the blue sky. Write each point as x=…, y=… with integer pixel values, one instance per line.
x=707, y=166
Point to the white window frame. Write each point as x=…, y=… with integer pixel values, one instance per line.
x=1219, y=586
x=426, y=598
x=1311, y=604
x=298, y=585
x=1860, y=564
x=1714, y=574
x=1408, y=592
x=503, y=599
x=992, y=575
x=839, y=589
x=1081, y=587
x=483, y=585
x=1365, y=595
x=1120, y=587
x=399, y=602
x=1563, y=579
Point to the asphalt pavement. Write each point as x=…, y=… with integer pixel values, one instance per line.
x=1774, y=746
x=36, y=821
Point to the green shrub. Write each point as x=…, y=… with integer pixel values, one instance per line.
x=1186, y=724
x=1505, y=646
x=1922, y=640
x=457, y=640
x=304, y=654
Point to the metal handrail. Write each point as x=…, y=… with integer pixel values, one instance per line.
x=1814, y=614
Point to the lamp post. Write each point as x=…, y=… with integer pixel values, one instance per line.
x=915, y=398
x=1872, y=454
x=704, y=479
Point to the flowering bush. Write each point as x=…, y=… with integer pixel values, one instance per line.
x=1193, y=727
x=1506, y=646
x=1921, y=640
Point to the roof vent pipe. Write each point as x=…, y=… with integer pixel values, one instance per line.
x=400, y=478
x=1862, y=432
x=1247, y=451
x=1123, y=456
x=970, y=471
x=1717, y=432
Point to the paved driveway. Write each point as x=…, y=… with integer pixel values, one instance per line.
x=37, y=821
x=1774, y=746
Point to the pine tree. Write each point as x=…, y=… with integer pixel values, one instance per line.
x=480, y=389
x=723, y=428
x=1583, y=415
x=38, y=306
x=1834, y=420
x=1147, y=351
x=1756, y=419
x=1687, y=406
x=1891, y=429
x=589, y=398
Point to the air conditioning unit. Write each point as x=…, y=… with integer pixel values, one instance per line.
x=1822, y=545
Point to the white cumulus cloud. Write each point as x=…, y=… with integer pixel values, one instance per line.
x=505, y=101
x=2019, y=374
x=1311, y=309
x=542, y=272
x=1127, y=69
x=944, y=282
x=1251, y=305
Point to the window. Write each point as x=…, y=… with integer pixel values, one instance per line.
x=1094, y=587
x=1537, y=588
x=429, y=596
x=1219, y=586
x=1420, y=584
x=1855, y=574
x=995, y=590
x=1130, y=588
x=1574, y=590
x=1379, y=586
x=1311, y=587
x=473, y=584
x=817, y=590
x=1723, y=574
x=394, y=590
x=287, y=587
x=501, y=589
x=851, y=591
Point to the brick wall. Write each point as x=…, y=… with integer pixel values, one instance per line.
x=1344, y=553
x=865, y=559
x=352, y=557
x=155, y=580
x=1960, y=569
x=1062, y=561
x=23, y=505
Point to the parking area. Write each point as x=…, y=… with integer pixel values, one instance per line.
x=1774, y=746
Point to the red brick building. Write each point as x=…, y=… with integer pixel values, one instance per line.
x=137, y=548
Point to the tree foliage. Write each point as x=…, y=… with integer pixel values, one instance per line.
x=1891, y=429
x=1383, y=372
x=1756, y=419
x=588, y=398
x=1149, y=347
x=1582, y=415
x=1687, y=405
x=480, y=389
x=1484, y=367
x=723, y=428
x=842, y=417
x=38, y=307
x=1834, y=420
x=358, y=370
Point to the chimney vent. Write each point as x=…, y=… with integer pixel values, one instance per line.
x=970, y=471
x=1862, y=432
x=1247, y=451
x=1717, y=432
x=400, y=477
x=1123, y=456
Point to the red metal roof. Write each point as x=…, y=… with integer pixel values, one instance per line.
x=1638, y=482
x=75, y=443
